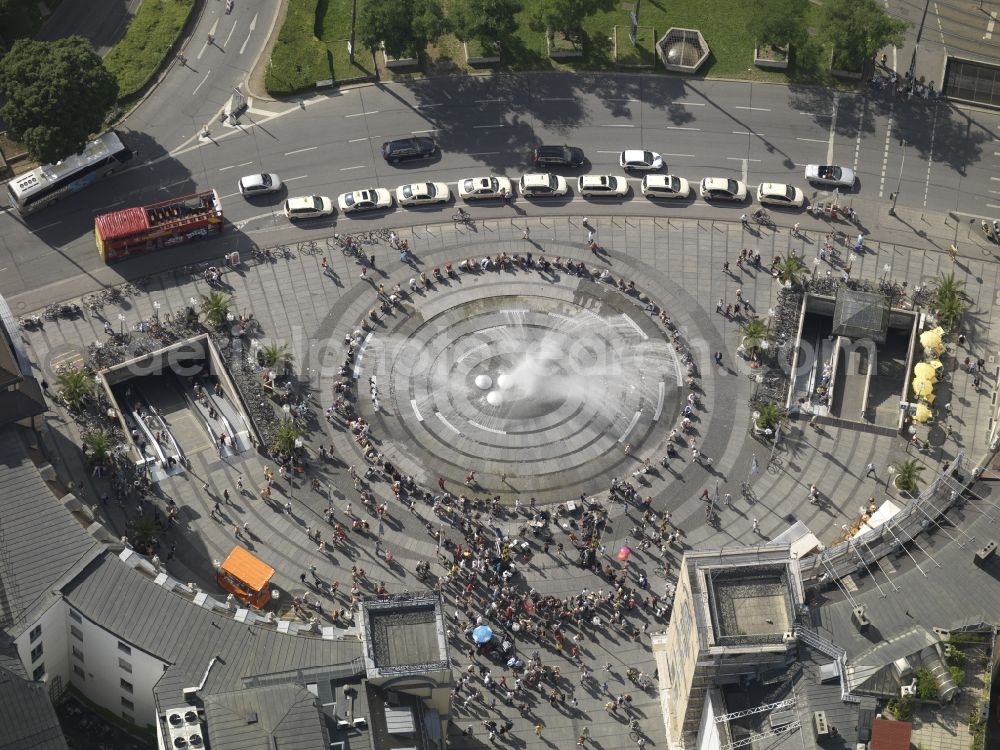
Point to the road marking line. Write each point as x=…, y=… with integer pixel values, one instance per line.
x=484, y=153
x=833, y=124
x=995, y=179
x=244, y=164
x=253, y=25
x=557, y=99
x=740, y=158
x=487, y=429
x=609, y=152
x=747, y=132
x=754, y=109
x=621, y=100
x=689, y=104
x=425, y=106
x=812, y=140
x=223, y=169
x=989, y=26
x=299, y=151
x=617, y=126
x=992, y=205
x=885, y=153
x=355, y=140
x=413, y=405
x=347, y=169
x=930, y=156
x=678, y=127
x=815, y=114
x=418, y=132
x=47, y=226
x=446, y=423
x=690, y=156
x=659, y=401
x=224, y=197
x=485, y=101
x=230, y=35
x=995, y=192
x=202, y=83
x=362, y=114
x=300, y=177
x=481, y=127
x=631, y=424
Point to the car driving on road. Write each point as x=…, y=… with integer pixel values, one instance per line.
x=557, y=156
x=365, y=200
x=722, y=189
x=779, y=194
x=422, y=193
x=258, y=184
x=665, y=186
x=641, y=161
x=408, y=148
x=480, y=188
x=543, y=184
x=830, y=175
x=602, y=186
x=308, y=207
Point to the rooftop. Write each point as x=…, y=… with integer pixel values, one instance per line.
x=27, y=718
x=403, y=631
x=750, y=603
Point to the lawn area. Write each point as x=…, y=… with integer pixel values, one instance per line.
x=312, y=46
x=642, y=53
x=150, y=35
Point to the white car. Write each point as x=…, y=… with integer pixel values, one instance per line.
x=480, y=188
x=646, y=161
x=543, y=184
x=602, y=186
x=365, y=200
x=830, y=175
x=665, y=186
x=308, y=207
x=779, y=194
x=722, y=189
x=258, y=184
x=422, y=193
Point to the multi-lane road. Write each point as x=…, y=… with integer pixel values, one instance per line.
x=330, y=143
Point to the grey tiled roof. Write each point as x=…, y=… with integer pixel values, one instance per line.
x=286, y=712
x=27, y=718
x=42, y=540
x=174, y=629
x=948, y=590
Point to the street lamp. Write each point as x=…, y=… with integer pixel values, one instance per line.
x=156, y=310
x=850, y=261
x=890, y=472
x=899, y=181
x=121, y=323
x=885, y=271
x=815, y=266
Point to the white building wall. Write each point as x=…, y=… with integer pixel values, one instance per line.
x=106, y=665
x=55, y=651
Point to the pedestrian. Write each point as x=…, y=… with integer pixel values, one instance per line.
x=813, y=421
x=288, y=508
x=216, y=509
x=718, y=358
x=225, y=494
x=204, y=486
x=870, y=471
x=719, y=306
x=441, y=483
x=538, y=730
x=704, y=494
x=795, y=229
x=364, y=272
x=590, y=237
x=728, y=500
x=756, y=526
x=526, y=234
x=239, y=485
x=371, y=259
x=744, y=221
x=586, y=222
x=628, y=449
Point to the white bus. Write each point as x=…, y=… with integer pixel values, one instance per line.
x=49, y=183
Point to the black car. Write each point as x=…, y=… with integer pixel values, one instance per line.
x=558, y=156
x=408, y=148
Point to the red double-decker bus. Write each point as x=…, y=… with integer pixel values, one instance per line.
x=130, y=231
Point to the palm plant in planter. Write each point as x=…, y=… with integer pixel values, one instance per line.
x=275, y=354
x=908, y=476
x=215, y=306
x=790, y=270
x=284, y=439
x=769, y=415
x=755, y=334
x=74, y=386
x=950, y=300
x=97, y=447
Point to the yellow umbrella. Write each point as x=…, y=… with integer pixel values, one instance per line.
x=928, y=398
x=936, y=364
x=922, y=387
x=930, y=339
x=922, y=414
x=925, y=372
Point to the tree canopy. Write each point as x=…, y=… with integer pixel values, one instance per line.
x=860, y=28
x=405, y=26
x=566, y=16
x=58, y=95
x=775, y=23
x=485, y=21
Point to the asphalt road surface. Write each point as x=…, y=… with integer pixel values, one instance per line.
x=329, y=144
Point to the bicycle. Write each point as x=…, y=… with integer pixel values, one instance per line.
x=462, y=217
x=382, y=234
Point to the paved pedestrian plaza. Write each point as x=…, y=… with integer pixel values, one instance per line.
x=519, y=382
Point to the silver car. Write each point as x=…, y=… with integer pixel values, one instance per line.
x=830, y=175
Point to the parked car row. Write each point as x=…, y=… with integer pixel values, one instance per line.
x=654, y=185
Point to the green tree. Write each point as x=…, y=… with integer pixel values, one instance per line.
x=74, y=386
x=769, y=413
x=274, y=354
x=566, y=16
x=776, y=23
x=58, y=95
x=97, y=447
x=950, y=300
x=791, y=269
x=215, y=306
x=488, y=22
x=405, y=26
x=755, y=333
x=288, y=432
x=907, y=479
x=858, y=29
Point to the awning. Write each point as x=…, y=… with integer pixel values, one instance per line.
x=243, y=566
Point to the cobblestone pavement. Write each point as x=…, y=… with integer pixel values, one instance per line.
x=678, y=264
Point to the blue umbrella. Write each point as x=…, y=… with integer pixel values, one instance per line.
x=482, y=634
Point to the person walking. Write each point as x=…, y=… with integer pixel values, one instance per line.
x=526, y=234
x=538, y=730
x=745, y=221
x=756, y=526
x=870, y=471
